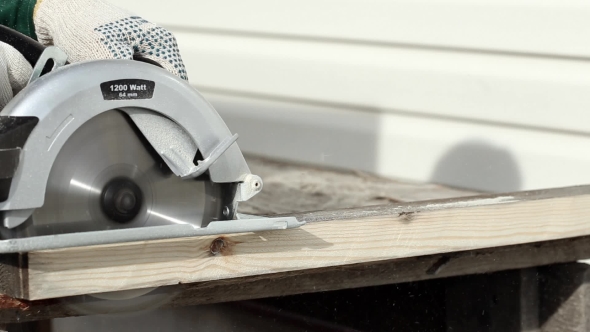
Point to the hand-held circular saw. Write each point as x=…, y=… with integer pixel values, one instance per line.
x=115, y=151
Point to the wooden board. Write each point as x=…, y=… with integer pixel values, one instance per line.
x=288, y=188
x=330, y=239
x=316, y=280
x=293, y=188
x=311, y=188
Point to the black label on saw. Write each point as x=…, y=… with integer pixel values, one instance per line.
x=128, y=89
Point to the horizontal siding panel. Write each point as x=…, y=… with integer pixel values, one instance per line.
x=488, y=95
x=476, y=156
x=557, y=27
x=520, y=91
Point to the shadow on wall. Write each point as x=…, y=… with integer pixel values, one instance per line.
x=478, y=165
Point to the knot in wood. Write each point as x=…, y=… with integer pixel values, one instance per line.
x=217, y=246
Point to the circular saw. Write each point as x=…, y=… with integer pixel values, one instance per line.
x=115, y=151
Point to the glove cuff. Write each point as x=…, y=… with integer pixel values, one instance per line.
x=36, y=8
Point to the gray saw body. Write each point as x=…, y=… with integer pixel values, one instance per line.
x=59, y=153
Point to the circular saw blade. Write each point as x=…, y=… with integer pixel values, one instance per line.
x=110, y=147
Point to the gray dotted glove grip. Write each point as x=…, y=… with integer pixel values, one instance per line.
x=134, y=35
x=95, y=29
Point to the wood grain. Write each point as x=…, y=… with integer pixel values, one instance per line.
x=330, y=239
x=316, y=280
x=294, y=188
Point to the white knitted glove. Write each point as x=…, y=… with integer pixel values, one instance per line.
x=15, y=72
x=95, y=29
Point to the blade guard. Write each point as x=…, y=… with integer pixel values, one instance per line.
x=172, y=115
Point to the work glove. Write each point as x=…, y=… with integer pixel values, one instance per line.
x=95, y=29
x=15, y=72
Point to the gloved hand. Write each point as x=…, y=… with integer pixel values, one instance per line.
x=15, y=72
x=95, y=29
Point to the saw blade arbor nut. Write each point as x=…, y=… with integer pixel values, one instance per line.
x=122, y=199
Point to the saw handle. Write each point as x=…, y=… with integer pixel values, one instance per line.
x=27, y=46
x=146, y=60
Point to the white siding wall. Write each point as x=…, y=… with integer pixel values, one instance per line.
x=486, y=94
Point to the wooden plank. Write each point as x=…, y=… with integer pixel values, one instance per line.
x=330, y=239
x=555, y=27
x=288, y=187
x=317, y=280
x=293, y=188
